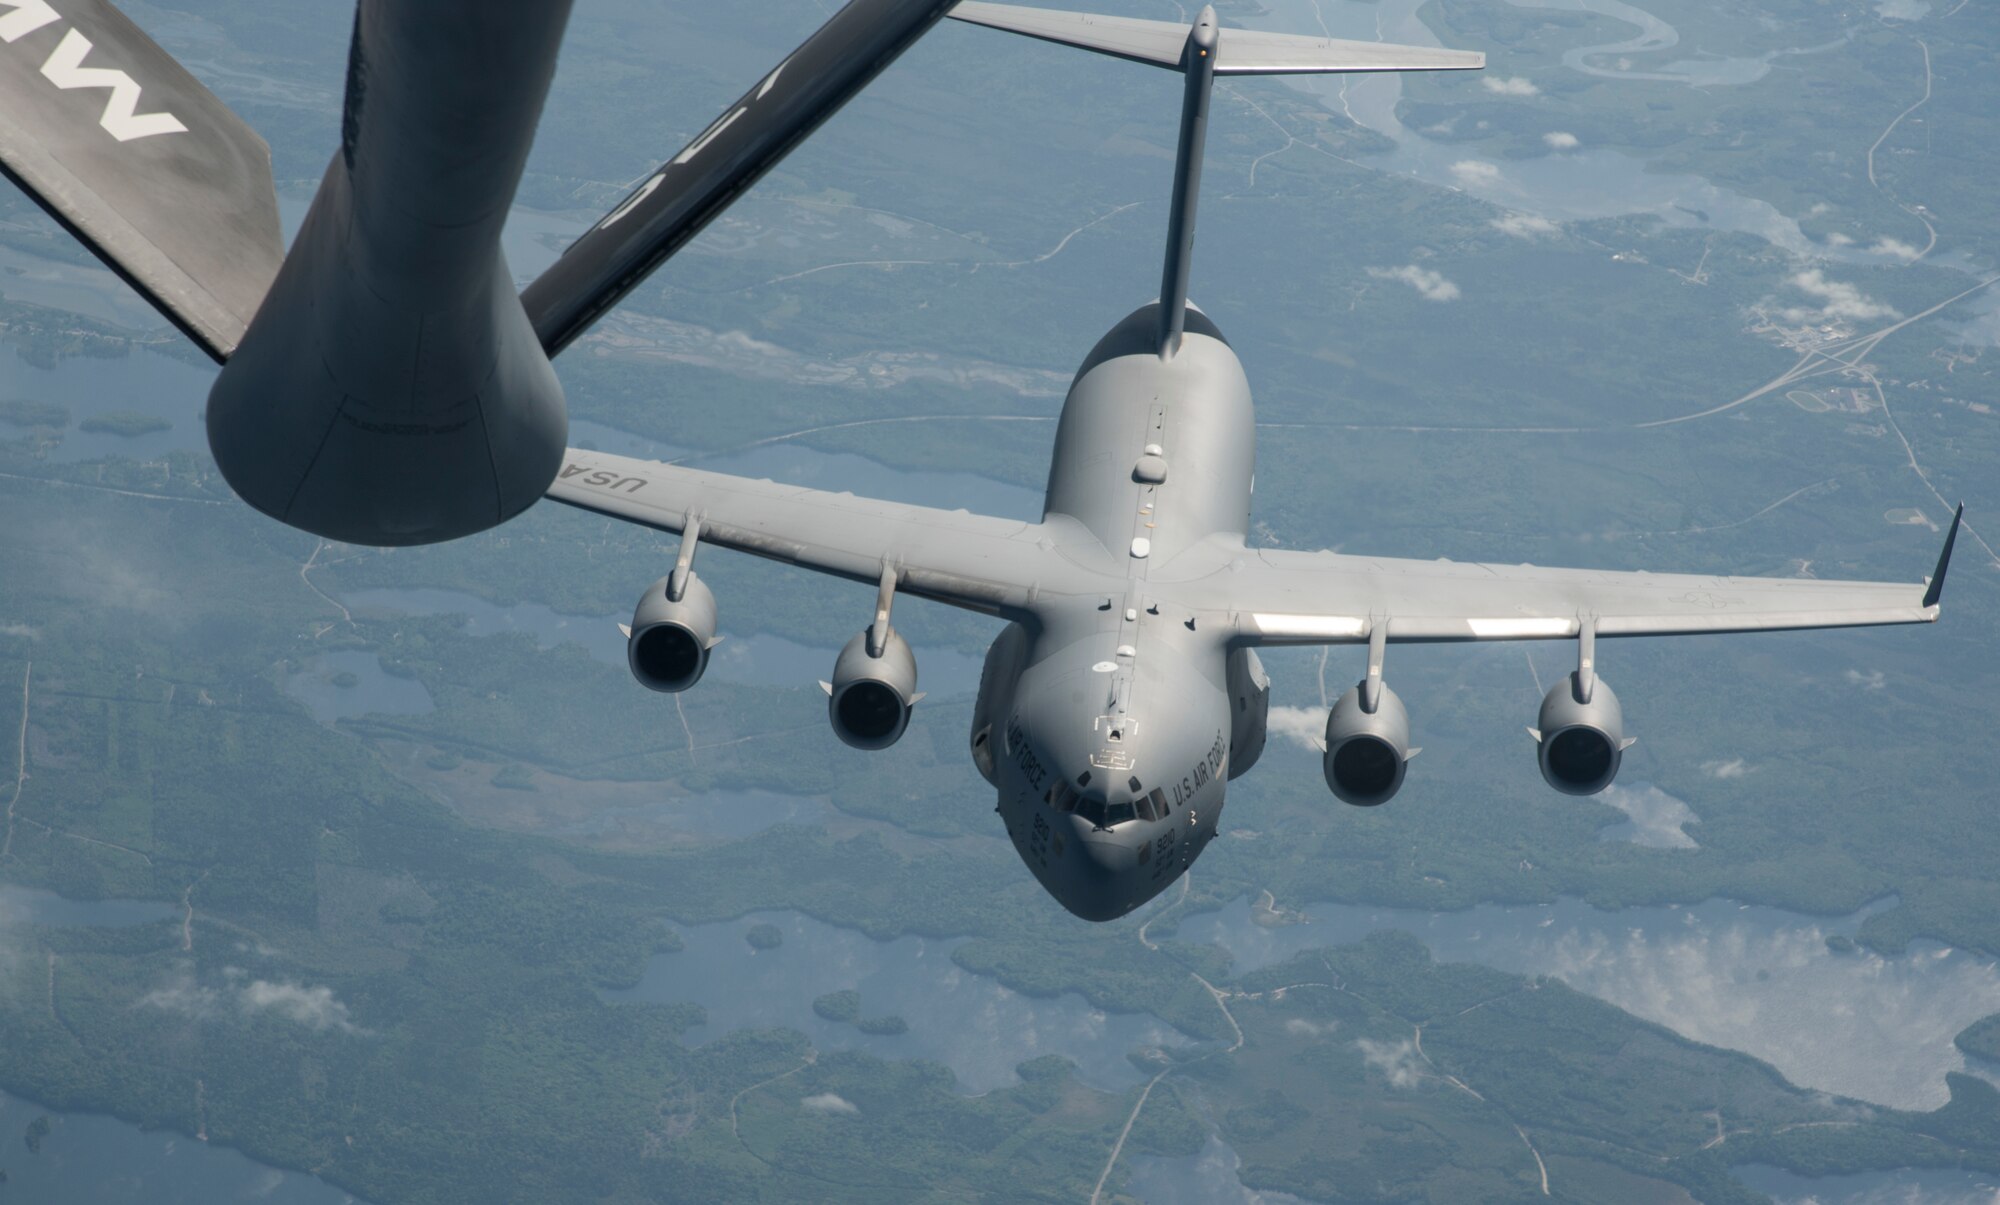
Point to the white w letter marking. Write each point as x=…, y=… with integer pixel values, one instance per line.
x=65, y=69
x=27, y=17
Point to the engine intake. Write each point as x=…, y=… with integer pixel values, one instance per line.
x=1581, y=739
x=871, y=697
x=670, y=641
x=1367, y=753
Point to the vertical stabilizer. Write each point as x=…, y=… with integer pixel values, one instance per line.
x=1202, y=53
x=1198, y=64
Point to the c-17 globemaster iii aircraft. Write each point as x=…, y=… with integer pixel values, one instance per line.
x=1125, y=690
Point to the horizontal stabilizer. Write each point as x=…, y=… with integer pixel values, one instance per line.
x=128, y=151
x=1238, y=52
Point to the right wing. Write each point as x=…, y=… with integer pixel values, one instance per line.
x=1278, y=597
x=144, y=165
x=980, y=563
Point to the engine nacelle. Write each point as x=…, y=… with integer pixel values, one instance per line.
x=1367, y=753
x=870, y=698
x=1581, y=738
x=669, y=645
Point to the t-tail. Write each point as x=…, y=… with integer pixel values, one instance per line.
x=1202, y=52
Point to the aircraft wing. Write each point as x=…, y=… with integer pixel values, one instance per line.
x=995, y=566
x=1329, y=598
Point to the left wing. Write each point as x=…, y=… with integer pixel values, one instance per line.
x=1328, y=598
x=995, y=566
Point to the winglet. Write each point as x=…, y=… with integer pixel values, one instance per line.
x=1936, y=590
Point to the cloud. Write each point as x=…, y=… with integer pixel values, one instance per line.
x=1303, y=726
x=1561, y=140
x=1473, y=172
x=1838, y=239
x=1431, y=285
x=1526, y=225
x=1838, y=300
x=1856, y=1024
x=1397, y=1061
x=1896, y=249
x=1874, y=679
x=1733, y=768
x=182, y=996
x=313, y=1007
x=827, y=1102
x=1300, y=1027
x=1513, y=85
x=1654, y=818
x=18, y=629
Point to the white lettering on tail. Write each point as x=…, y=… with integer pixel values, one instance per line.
x=65, y=70
x=27, y=17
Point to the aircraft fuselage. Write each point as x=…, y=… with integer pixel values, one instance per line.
x=1108, y=724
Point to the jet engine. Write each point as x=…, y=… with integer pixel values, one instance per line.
x=1581, y=738
x=873, y=692
x=670, y=640
x=1367, y=752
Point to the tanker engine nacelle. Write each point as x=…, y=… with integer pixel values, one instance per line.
x=1367, y=752
x=873, y=691
x=670, y=640
x=1581, y=738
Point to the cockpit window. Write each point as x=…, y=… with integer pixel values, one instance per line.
x=1062, y=797
x=1117, y=813
x=1091, y=810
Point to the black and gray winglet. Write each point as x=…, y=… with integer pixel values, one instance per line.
x=129, y=152
x=1934, y=588
x=675, y=203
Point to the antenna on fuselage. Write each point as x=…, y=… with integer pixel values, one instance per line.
x=1202, y=52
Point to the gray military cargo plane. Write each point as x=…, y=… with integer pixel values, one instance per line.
x=1125, y=690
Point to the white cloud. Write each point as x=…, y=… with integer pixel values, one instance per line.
x=1432, y=285
x=313, y=1007
x=1513, y=85
x=1655, y=817
x=1303, y=726
x=827, y=1102
x=1733, y=768
x=1896, y=248
x=1300, y=1027
x=1838, y=299
x=1838, y=239
x=1526, y=225
x=1473, y=172
x=1855, y=1024
x=1397, y=1061
x=1561, y=140
x=1874, y=679
x=17, y=629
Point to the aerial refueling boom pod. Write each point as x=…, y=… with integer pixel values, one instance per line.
x=383, y=382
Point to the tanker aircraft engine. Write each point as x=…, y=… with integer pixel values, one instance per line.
x=382, y=382
x=1125, y=689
